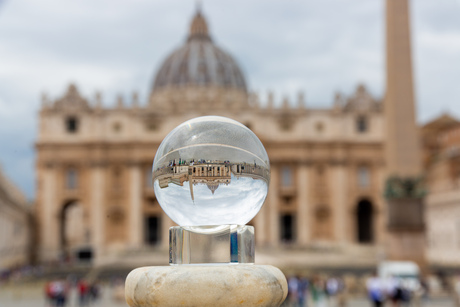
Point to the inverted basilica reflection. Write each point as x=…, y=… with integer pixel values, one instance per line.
x=210, y=173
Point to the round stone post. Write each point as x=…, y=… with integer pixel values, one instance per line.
x=206, y=285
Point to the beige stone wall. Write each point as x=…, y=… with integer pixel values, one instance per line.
x=113, y=148
x=442, y=206
x=443, y=228
x=15, y=226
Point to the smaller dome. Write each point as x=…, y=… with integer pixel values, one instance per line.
x=199, y=62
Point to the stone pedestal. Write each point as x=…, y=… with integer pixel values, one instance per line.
x=406, y=231
x=206, y=285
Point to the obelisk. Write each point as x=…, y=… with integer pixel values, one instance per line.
x=403, y=189
x=403, y=144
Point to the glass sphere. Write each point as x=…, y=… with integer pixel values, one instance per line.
x=211, y=171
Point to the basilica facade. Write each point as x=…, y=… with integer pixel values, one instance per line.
x=95, y=201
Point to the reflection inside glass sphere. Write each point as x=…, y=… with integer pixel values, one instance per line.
x=211, y=171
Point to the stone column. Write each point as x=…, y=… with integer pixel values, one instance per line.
x=303, y=211
x=339, y=199
x=50, y=215
x=166, y=223
x=135, y=201
x=260, y=231
x=380, y=213
x=97, y=200
x=273, y=212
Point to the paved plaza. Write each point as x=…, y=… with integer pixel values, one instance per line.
x=32, y=296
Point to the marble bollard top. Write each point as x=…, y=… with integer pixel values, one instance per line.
x=206, y=285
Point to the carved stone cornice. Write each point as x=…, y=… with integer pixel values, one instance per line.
x=134, y=163
x=98, y=163
x=311, y=162
x=339, y=162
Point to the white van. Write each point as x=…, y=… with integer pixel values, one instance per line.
x=407, y=272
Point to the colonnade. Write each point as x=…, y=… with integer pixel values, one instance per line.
x=267, y=222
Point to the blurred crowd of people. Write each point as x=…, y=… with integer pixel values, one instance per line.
x=315, y=292
x=389, y=289
x=332, y=291
x=57, y=292
x=20, y=273
x=396, y=291
x=318, y=290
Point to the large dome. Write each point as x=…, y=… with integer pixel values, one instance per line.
x=199, y=62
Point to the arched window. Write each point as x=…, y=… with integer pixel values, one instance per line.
x=365, y=225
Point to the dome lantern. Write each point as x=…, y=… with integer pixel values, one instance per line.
x=199, y=27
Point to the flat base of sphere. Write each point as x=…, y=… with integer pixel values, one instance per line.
x=213, y=286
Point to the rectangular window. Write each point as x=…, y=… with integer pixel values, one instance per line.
x=361, y=124
x=363, y=177
x=287, y=228
x=71, y=179
x=286, y=176
x=152, y=230
x=148, y=178
x=71, y=124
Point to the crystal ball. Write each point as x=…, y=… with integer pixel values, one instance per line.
x=211, y=171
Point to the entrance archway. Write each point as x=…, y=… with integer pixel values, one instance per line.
x=73, y=231
x=365, y=221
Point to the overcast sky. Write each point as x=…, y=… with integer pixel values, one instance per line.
x=116, y=46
